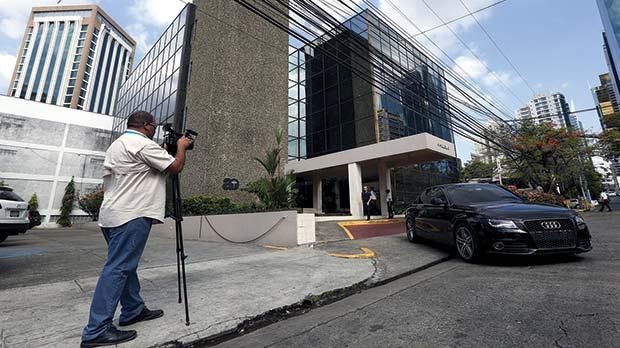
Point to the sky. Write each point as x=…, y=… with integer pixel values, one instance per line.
x=556, y=45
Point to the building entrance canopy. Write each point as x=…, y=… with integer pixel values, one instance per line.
x=383, y=156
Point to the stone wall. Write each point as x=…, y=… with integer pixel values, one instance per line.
x=237, y=95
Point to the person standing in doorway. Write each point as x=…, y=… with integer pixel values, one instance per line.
x=373, y=200
x=605, y=201
x=390, y=207
x=366, y=198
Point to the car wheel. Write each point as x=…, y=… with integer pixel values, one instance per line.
x=3, y=237
x=467, y=243
x=411, y=232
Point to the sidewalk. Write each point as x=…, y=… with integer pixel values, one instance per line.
x=227, y=284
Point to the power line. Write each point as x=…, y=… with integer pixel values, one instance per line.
x=459, y=78
x=524, y=119
x=473, y=53
x=313, y=44
x=459, y=18
x=498, y=48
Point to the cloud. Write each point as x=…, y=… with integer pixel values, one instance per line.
x=14, y=14
x=156, y=13
x=470, y=67
x=7, y=64
x=420, y=14
x=151, y=17
x=143, y=37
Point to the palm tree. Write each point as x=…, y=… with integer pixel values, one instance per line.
x=274, y=191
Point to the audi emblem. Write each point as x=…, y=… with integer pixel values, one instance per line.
x=550, y=225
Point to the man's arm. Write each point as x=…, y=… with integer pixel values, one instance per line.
x=179, y=158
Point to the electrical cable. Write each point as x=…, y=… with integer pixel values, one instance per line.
x=302, y=39
x=498, y=48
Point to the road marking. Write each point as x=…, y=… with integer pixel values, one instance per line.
x=273, y=247
x=367, y=254
x=343, y=225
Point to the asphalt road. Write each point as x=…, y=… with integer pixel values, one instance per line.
x=540, y=302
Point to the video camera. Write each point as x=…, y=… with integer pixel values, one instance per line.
x=171, y=137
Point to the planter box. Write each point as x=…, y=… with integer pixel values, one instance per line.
x=282, y=228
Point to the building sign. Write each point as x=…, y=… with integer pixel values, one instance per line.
x=230, y=184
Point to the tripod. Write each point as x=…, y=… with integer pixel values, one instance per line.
x=177, y=216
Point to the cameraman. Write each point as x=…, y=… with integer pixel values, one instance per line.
x=134, y=183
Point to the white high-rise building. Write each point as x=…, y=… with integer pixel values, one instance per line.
x=545, y=108
x=73, y=56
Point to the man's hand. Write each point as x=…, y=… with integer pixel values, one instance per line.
x=179, y=159
x=184, y=142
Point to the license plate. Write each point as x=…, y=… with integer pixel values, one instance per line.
x=14, y=213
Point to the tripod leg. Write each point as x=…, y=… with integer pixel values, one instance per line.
x=176, y=214
x=181, y=250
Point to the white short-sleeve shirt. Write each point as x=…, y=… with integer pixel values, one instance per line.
x=134, y=181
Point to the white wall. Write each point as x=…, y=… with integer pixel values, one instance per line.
x=42, y=146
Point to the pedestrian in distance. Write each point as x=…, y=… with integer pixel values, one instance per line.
x=366, y=199
x=134, y=182
x=373, y=200
x=390, y=207
x=605, y=201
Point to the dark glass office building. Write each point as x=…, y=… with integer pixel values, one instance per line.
x=334, y=106
x=155, y=84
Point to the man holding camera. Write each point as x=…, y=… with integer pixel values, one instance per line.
x=134, y=182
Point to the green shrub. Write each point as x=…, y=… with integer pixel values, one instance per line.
x=67, y=205
x=33, y=203
x=214, y=205
x=91, y=203
x=207, y=205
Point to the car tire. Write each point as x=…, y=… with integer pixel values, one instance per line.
x=467, y=243
x=412, y=236
x=3, y=237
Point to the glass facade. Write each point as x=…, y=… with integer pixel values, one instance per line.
x=46, y=46
x=333, y=106
x=155, y=83
x=363, y=85
x=31, y=61
x=63, y=62
x=50, y=70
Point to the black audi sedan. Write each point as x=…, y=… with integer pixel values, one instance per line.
x=480, y=219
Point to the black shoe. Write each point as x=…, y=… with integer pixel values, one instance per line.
x=146, y=314
x=109, y=338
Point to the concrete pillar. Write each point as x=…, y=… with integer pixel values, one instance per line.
x=317, y=194
x=355, y=190
x=385, y=183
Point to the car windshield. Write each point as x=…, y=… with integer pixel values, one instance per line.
x=467, y=194
x=10, y=196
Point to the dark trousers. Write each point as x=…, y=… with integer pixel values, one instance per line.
x=605, y=203
x=390, y=208
x=367, y=210
x=118, y=281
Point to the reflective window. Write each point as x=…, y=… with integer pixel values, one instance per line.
x=153, y=84
x=48, y=77
x=98, y=75
x=46, y=45
x=33, y=56
x=63, y=62
x=328, y=83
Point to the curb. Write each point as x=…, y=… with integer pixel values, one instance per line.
x=304, y=306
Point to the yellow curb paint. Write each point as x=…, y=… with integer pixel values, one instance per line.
x=368, y=254
x=372, y=222
x=343, y=225
x=274, y=247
